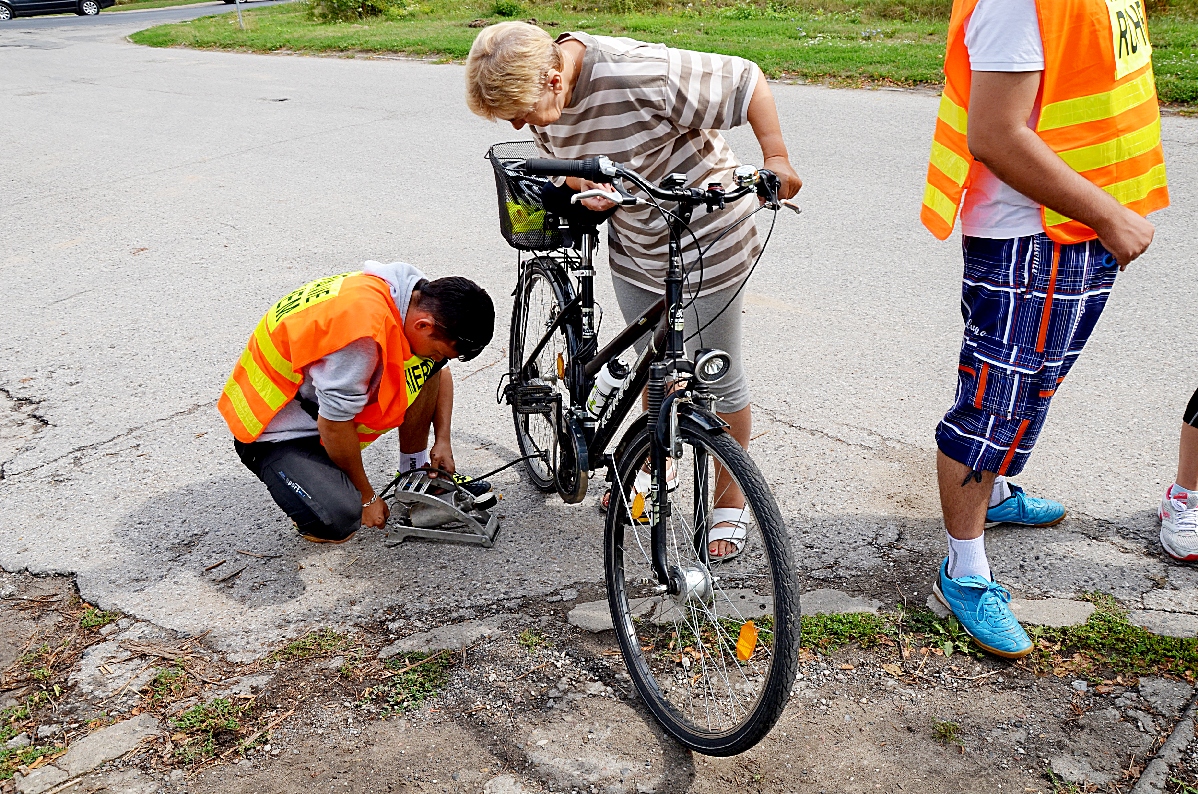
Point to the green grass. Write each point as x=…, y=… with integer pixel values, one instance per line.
x=410, y=688
x=946, y=732
x=842, y=42
x=93, y=618
x=531, y=640
x=828, y=633
x=1108, y=643
x=204, y=724
x=314, y=643
x=168, y=685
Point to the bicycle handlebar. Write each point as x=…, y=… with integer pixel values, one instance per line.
x=590, y=169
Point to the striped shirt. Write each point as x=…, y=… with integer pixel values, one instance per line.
x=657, y=110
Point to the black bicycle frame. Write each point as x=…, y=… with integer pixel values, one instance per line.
x=660, y=358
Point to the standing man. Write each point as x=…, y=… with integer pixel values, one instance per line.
x=335, y=364
x=1049, y=130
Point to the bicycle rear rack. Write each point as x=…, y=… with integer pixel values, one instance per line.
x=450, y=516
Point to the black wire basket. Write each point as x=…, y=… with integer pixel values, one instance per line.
x=523, y=219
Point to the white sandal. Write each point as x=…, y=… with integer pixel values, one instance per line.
x=728, y=524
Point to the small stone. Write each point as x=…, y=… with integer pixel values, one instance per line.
x=18, y=741
x=1080, y=686
x=1078, y=771
x=47, y=731
x=593, y=616
x=940, y=610
x=569, y=594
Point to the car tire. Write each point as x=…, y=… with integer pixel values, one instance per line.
x=5, y=12
x=88, y=8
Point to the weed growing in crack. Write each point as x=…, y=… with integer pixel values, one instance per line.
x=946, y=732
x=204, y=724
x=531, y=640
x=415, y=680
x=169, y=684
x=947, y=634
x=314, y=643
x=1058, y=786
x=93, y=618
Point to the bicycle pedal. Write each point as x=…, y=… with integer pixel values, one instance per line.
x=535, y=399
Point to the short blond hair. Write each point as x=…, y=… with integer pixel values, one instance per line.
x=506, y=69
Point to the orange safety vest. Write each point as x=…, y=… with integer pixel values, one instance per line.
x=1098, y=111
x=307, y=324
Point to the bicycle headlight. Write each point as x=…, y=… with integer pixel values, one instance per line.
x=711, y=365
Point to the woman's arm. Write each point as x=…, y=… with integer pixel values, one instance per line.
x=763, y=118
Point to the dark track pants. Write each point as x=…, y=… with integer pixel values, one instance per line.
x=305, y=482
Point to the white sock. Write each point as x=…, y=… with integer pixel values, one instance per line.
x=413, y=460
x=1001, y=491
x=968, y=558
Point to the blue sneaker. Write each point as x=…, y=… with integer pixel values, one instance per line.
x=981, y=606
x=1029, y=511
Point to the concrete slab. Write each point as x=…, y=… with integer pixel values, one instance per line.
x=1171, y=624
x=452, y=637
x=835, y=602
x=1056, y=612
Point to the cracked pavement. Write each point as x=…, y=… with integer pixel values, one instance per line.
x=156, y=201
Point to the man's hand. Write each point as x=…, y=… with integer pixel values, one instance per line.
x=597, y=204
x=376, y=515
x=441, y=456
x=791, y=183
x=1127, y=236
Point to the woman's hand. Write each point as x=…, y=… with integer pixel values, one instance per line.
x=791, y=183
x=597, y=204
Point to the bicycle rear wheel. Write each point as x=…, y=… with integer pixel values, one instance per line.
x=540, y=298
x=715, y=666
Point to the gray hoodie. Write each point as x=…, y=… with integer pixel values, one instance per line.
x=343, y=382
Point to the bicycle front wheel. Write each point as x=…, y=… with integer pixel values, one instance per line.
x=716, y=663
x=541, y=297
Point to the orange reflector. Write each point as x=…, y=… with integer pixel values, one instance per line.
x=746, y=643
x=561, y=366
x=638, y=506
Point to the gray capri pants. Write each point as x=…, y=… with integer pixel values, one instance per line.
x=724, y=334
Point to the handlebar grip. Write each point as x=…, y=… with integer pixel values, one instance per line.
x=584, y=169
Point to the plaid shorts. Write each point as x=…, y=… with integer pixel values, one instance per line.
x=1029, y=306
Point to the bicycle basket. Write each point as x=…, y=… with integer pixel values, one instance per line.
x=523, y=219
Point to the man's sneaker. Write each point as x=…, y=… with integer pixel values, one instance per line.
x=1029, y=511
x=1179, y=526
x=484, y=499
x=981, y=606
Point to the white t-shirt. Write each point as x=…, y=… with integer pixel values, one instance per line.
x=1002, y=36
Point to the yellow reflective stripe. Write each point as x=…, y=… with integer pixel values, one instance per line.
x=1125, y=192
x=267, y=390
x=953, y=114
x=1098, y=106
x=940, y=204
x=272, y=354
x=954, y=166
x=242, y=408
x=1125, y=147
x=363, y=430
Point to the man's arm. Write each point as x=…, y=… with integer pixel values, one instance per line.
x=341, y=443
x=763, y=118
x=441, y=454
x=999, y=106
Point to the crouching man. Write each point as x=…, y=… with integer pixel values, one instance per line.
x=337, y=363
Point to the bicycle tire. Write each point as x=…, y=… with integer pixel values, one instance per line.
x=649, y=673
x=540, y=272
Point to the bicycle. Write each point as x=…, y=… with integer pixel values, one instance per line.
x=711, y=645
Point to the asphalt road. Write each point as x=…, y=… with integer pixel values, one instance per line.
x=154, y=202
x=111, y=18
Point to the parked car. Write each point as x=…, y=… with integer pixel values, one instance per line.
x=29, y=8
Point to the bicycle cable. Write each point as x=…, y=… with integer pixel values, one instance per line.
x=749, y=275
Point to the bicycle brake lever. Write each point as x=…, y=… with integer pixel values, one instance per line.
x=790, y=205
